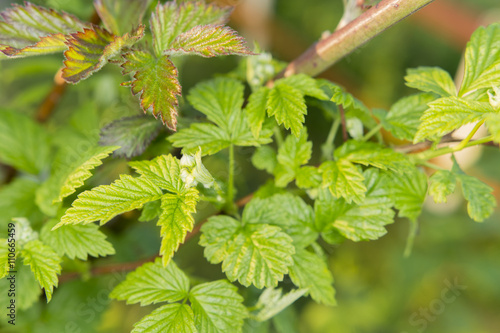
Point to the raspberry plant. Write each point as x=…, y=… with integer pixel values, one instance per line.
x=357, y=188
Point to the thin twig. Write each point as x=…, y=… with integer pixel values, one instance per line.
x=344, y=125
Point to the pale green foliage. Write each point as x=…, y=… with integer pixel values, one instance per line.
x=4, y=260
x=272, y=302
x=23, y=143
x=265, y=158
x=170, y=318
x=153, y=283
x=344, y=180
x=76, y=241
x=431, y=79
x=18, y=199
x=408, y=192
x=442, y=184
x=311, y=272
x=220, y=100
x=118, y=15
x=164, y=171
x=295, y=152
x=256, y=109
x=44, y=264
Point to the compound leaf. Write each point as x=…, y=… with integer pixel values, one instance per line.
x=288, y=106
x=76, y=241
x=309, y=271
x=44, y=264
x=153, y=283
x=431, y=79
x=210, y=138
x=344, y=180
x=89, y=50
x=209, y=41
x=217, y=307
x=105, y=202
x=164, y=171
x=33, y=30
x=170, y=318
x=408, y=192
x=155, y=81
x=295, y=152
x=175, y=221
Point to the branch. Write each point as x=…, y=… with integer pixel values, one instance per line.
x=328, y=51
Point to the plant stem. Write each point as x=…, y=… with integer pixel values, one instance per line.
x=328, y=51
x=464, y=142
x=278, y=136
x=412, y=233
x=327, y=147
x=422, y=157
x=372, y=132
x=230, y=207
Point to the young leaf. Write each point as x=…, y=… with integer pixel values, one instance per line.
x=358, y=222
x=442, y=184
x=449, y=113
x=155, y=81
x=309, y=271
x=482, y=62
x=174, y=18
x=164, y=171
x=264, y=158
x=208, y=41
x=431, y=79
x=150, y=211
x=308, y=177
x=287, y=105
x=403, y=118
x=105, y=202
x=76, y=241
x=295, y=152
x=344, y=180
x=132, y=134
x=90, y=49
x=493, y=124
x=44, y=264
x=170, y=318
x=175, y=221
x=305, y=84
x=4, y=258
x=217, y=307
x=272, y=301
x=256, y=109
x=257, y=254
x=33, y=30
x=23, y=143
x=28, y=288
x=210, y=138
x=408, y=192
x=118, y=15
x=153, y=283
x=371, y=153
x=286, y=211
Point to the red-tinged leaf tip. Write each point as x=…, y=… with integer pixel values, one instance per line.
x=155, y=82
x=90, y=49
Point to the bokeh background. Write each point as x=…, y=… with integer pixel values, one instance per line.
x=449, y=284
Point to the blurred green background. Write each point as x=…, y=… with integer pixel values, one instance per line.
x=378, y=290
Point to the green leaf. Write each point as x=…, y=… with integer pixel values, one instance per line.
x=175, y=221
x=132, y=134
x=272, y=301
x=449, y=113
x=208, y=41
x=76, y=241
x=305, y=84
x=339, y=96
x=150, y=211
x=482, y=62
x=362, y=221
x=118, y=15
x=89, y=50
x=309, y=271
x=174, y=18
x=308, y=177
x=408, y=192
x=288, y=106
x=431, y=79
x=34, y=30
x=164, y=171
x=170, y=318
x=217, y=307
x=493, y=124
x=344, y=180
x=295, y=152
x=373, y=154
x=155, y=81
x=286, y=211
x=264, y=158
x=256, y=109
x=481, y=202
x=24, y=144
x=105, y=202
x=28, y=290
x=5, y=266
x=442, y=184
x=257, y=254
x=210, y=138
x=17, y=199
x=153, y=283
x=44, y=264
x=403, y=118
